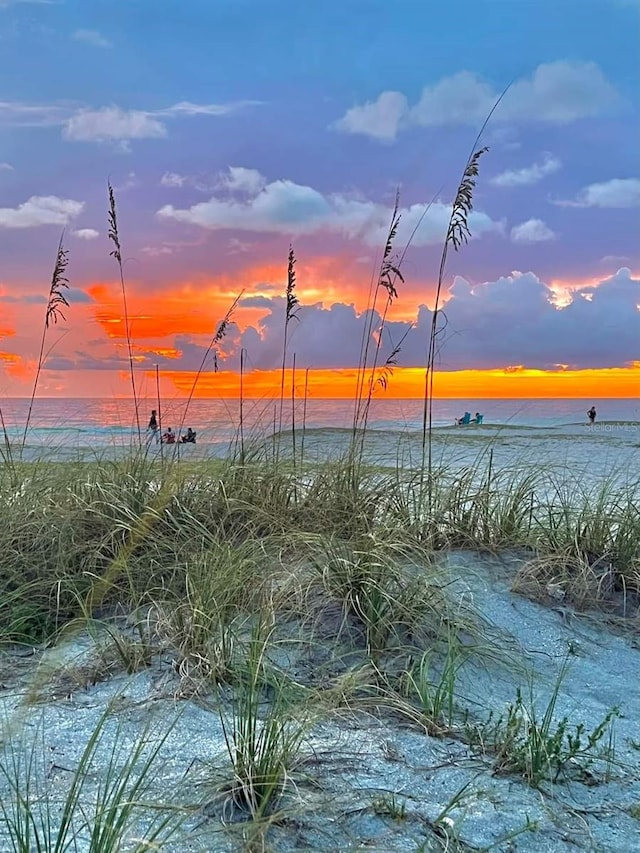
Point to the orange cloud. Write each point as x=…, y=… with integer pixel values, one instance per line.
x=10, y=357
x=20, y=369
x=195, y=307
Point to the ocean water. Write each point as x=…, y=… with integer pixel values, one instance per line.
x=99, y=423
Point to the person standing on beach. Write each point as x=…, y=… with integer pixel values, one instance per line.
x=591, y=414
x=153, y=432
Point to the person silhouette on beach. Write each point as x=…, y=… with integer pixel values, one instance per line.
x=189, y=438
x=169, y=437
x=153, y=431
x=591, y=414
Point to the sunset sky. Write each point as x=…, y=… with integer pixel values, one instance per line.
x=231, y=129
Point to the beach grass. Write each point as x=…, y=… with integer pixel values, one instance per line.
x=242, y=570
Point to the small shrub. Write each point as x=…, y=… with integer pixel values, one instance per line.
x=540, y=749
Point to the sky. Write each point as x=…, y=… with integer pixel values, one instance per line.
x=233, y=129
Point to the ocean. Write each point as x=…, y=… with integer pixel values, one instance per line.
x=97, y=424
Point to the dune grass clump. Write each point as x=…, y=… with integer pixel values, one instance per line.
x=389, y=601
x=262, y=738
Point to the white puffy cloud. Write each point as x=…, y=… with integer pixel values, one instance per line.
x=40, y=210
x=462, y=98
x=86, y=233
x=92, y=37
x=241, y=180
x=284, y=207
x=532, y=231
x=556, y=93
x=559, y=93
x=6, y=167
x=528, y=175
x=380, y=119
x=112, y=124
x=616, y=193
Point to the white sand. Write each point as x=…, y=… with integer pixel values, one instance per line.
x=354, y=758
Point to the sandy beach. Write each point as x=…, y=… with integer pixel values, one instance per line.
x=355, y=763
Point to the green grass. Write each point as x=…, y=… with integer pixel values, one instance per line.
x=97, y=817
x=262, y=738
x=235, y=570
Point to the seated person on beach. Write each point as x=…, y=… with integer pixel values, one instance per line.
x=591, y=414
x=169, y=437
x=189, y=438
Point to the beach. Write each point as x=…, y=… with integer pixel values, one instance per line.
x=313, y=641
x=550, y=432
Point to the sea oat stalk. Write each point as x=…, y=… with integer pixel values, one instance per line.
x=388, y=275
x=114, y=236
x=56, y=302
x=291, y=313
x=458, y=234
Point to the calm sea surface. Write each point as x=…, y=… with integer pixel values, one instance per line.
x=101, y=423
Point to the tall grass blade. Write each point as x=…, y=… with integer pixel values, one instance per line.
x=114, y=236
x=56, y=302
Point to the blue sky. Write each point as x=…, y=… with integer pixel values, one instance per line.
x=230, y=128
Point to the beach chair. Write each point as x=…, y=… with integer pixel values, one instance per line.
x=479, y=419
x=466, y=419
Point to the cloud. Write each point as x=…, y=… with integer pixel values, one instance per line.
x=241, y=180
x=256, y=302
x=284, y=207
x=112, y=124
x=532, y=231
x=6, y=167
x=25, y=299
x=173, y=179
x=20, y=114
x=108, y=123
x=157, y=251
x=92, y=37
x=556, y=93
x=380, y=119
x=78, y=296
x=512, y=320
x=86, y=233
x=187, y=108
x=616, y=193
x=40, y=210
x=529, y=174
